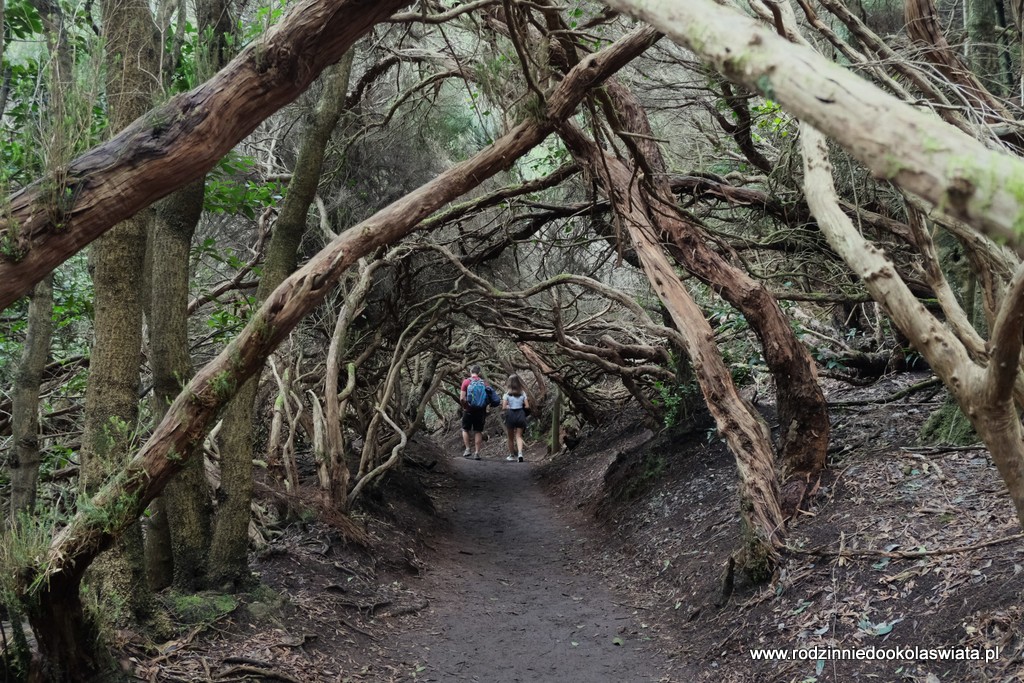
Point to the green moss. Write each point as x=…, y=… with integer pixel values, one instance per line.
x=948, y=425
x=9, y=246
x=975, y=182
x=892, y=166
x=1014, y=184
x=534, y=108
x=159, y=120
x=201, y=608
x=764, y=85
x=223, y=384
x=930, y=144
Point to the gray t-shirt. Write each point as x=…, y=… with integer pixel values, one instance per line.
x=515, y=402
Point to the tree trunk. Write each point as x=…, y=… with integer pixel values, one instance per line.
x=338, y=470
x=187, y=498
x=228, y=561
x=984, y=393
x=803, y=414
x=179, y=141
x=555, y=437
x=25, y=394
x=111, y=399
x=738, y=423
x=984, y=43
x=25, y=400
x=924, y=29
x=185, y=506
x=68, y=653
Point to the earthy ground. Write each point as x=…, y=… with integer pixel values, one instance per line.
x=605, y=564
x=512, y=595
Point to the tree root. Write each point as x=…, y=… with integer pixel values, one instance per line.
x=408, y=609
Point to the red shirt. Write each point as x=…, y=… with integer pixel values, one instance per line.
x=465, y=382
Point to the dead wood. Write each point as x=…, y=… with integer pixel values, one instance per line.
x=258, y=671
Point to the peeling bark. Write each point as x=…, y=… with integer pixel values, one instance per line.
x=803, y=414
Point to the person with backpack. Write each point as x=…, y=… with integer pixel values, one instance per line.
x=475, y=396
x=517, y=405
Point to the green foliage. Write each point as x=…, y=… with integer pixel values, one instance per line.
x=544, y=158
x=676, y=400
x=21, y=20
x=740, y=354
x=225, y=324
x=266, y=16
x=948, y=426
x=230, y=188
x=770, y=121
x=21, y=546
x=651, y=466
x=223, y=384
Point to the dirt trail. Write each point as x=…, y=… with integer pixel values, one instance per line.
x=511, y=598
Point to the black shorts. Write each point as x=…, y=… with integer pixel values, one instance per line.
x=516, y=419
x=473, y=420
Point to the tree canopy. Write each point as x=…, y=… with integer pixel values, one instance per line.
x=327, y=210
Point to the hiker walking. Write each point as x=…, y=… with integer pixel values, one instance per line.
x=516, y=405
x=474, y=397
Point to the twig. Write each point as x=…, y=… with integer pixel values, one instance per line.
x=255, y=670
x=371, y=608
x=920, y=386
x=905, y=554
x=408, y=609
x=246, y=660
x=355, y=628
x=931, y=450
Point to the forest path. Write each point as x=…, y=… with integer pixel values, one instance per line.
x=511, y=597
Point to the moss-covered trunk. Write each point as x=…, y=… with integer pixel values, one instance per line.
x=186, y=501
x=228, y=562
x=25, y=400
x=112, y=394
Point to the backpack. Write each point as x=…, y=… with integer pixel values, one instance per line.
x=476, y=393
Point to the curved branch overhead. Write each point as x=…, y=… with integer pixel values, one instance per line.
x=194, y=410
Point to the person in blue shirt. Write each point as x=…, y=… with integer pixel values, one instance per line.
x=516, y=405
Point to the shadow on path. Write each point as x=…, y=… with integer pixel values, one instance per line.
x=511, y=597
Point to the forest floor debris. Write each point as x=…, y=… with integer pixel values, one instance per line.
x=902, y=547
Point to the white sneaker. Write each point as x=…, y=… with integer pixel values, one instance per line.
x=520, y=457
x=510, y=458
x=467, y=453
x=476, y=456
